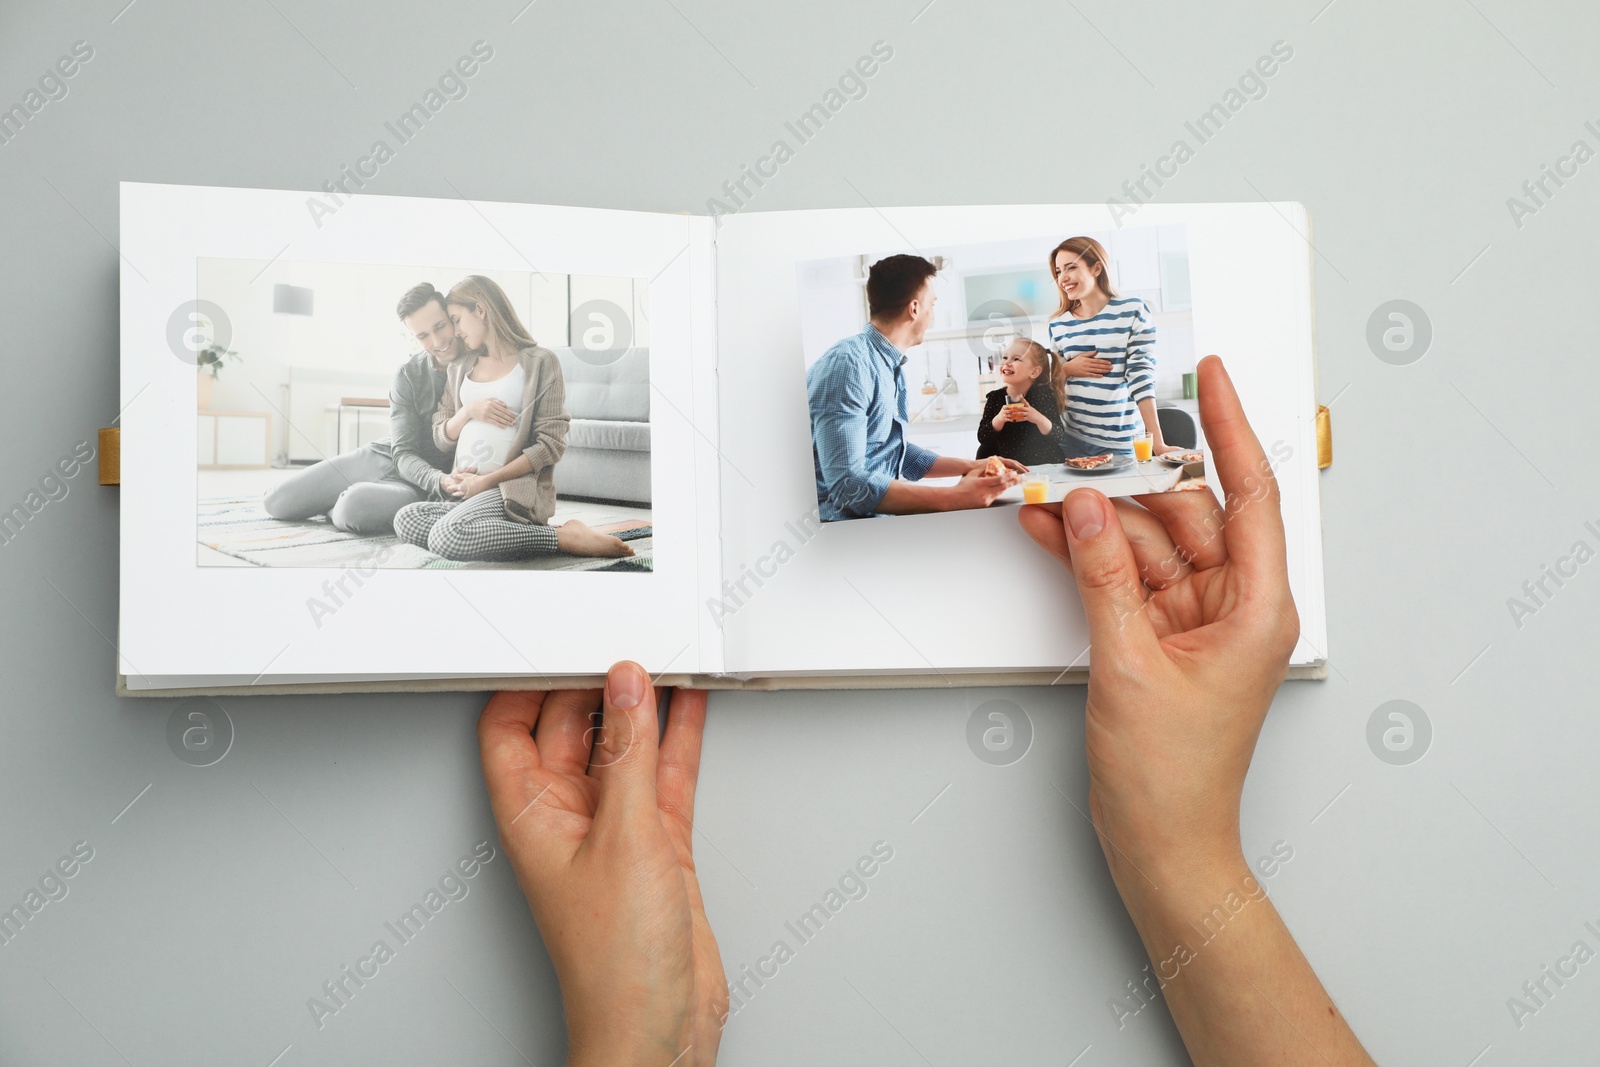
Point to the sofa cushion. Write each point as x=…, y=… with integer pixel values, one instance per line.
x=617, y=391
x=620, y=436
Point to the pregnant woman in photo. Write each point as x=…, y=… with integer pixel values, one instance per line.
x=503, y=411
x=1107, y=365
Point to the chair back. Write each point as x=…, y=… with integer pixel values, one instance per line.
x=1177, y=427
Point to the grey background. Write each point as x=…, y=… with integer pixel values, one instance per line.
x=1425, y=894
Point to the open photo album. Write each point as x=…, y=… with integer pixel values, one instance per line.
x=384, y=443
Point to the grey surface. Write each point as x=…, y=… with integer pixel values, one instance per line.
x=1426, y=894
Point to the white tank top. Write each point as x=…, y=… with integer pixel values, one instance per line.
x=482, y=444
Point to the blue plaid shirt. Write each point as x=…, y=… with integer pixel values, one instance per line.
x=858, y=425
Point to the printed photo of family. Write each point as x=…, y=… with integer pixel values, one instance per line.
x=1046, y=365
x=361, y=416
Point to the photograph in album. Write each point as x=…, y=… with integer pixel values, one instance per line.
x=965, y=377
x=359, y=417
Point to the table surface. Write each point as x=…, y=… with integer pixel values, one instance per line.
x=1151, y=476
x=219, y=899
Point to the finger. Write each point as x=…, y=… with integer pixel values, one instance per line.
x=1042, y=522
x=1254, y=526
x=511, y=763
x=679, y=769
x=1159, y=561
x=624, y=759
x=1194, y=522
x=566, y=730
x=1108, y=578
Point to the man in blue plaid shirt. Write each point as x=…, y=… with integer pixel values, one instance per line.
x=864, y=464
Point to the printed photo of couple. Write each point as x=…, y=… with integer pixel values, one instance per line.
x=1046, y=365
x=364, y=416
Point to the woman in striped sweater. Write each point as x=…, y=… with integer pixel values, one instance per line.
x=1107, y=364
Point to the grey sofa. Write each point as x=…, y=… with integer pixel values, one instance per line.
x=608, y=447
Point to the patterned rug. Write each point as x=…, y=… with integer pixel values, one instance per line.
x=238, y=527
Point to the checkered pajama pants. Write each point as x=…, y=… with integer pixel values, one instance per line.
x=475, y=530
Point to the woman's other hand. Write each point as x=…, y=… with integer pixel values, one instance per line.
x=1083, y=365
x=599, y=832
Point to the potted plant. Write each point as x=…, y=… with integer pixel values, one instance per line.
x=208, y=362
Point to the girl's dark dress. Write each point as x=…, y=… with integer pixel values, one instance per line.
x=1020, y=441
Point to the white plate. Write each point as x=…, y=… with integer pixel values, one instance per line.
x=1179, y=459
x=1116, y=463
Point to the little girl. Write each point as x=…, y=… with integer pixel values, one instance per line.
x=1020, y=418
x=1105, y=368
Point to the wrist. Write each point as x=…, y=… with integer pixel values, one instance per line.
x=1165, y=896
x=614, y=1043
x=953, y=498
x=1158, y=878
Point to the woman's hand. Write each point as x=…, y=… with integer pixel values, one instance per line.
x=600, y=838
x=469, y=484
x=490, y=410
x=1192, y=624
x=450, y=484
x=1083, y=365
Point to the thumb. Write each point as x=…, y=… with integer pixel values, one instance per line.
x=1108, y=578
x=624, y=759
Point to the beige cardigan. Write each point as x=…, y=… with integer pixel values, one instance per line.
x=542, y=423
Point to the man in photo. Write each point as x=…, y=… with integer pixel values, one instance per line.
x=361, y=490
x=864, y=464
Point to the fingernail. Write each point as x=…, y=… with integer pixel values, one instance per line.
x=1084, y=515
x=625, y=685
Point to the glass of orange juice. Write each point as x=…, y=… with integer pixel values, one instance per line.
x=1142, y=446
x=1035, y=492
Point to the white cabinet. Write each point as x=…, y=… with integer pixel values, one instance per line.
x=206, y=440
x=355, y=425
x=1175, y=269
x=1138, y=263
x=233, y=439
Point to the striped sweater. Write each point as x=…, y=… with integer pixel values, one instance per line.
x=1104, y=411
